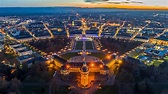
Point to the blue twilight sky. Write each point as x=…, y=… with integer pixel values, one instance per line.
x=34, y=3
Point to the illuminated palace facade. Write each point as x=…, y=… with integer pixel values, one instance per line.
x=84, y=65
x=84, y=68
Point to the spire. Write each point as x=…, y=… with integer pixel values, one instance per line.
x=84, y=59
x=84, y=62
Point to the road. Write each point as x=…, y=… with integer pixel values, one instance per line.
x=158, y=35
x=139, y=31
x=101, y=29
x=48, y=30
x=115, y=35
x=29, y=32
x=91, y=90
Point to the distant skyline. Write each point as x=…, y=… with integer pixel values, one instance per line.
x=82, y=3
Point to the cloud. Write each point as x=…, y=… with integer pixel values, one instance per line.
x=96, y=0
x=115, y=1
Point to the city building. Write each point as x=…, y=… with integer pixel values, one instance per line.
x=38, y=30
x=24, y=52
x=156, y=52
x=29, y=60
x=24, y=58
x=159, y=41
x=20, y=49
x=84, y=72
x=1, y=42
x=85, y=67
x=15, y=44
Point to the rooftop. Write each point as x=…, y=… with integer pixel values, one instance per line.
x=165, y=38
x=20, y=46
x=24, y=57
x=24, y=50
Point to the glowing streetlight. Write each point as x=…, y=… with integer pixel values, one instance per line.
x=108, y=57
x=67, y=66
x=92, y=65
x=101, y=66
x=120, y=61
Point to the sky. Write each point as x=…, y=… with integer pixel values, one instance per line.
x=82, y=3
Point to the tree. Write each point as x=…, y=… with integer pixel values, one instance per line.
x=165, y=91
x=127, y=89
x=125, y=77
x=142, y=87
x=54, y=86
x=15, y=85
x=3, y=86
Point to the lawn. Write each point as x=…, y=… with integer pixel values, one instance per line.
x=166, y=58
x=157, y=62
x=101, y=56
x=69, y=55
x=89, y=45
x=79, y=45
x=134, y=54
x=107, y=90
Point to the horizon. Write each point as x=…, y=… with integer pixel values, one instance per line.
x=114, y=7
x=125, y=4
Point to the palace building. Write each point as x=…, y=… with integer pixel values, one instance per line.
x=85, y=66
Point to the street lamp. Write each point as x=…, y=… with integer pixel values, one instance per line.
x=92, y=64
x=101, y=66
x=109, y=57
x=67, y=66
x=120, y=61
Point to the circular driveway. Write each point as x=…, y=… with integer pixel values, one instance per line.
x=80, y=59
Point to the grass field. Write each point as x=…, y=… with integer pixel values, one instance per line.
x=166, y=58
x=69, y=55
x=101, y=56
x=134, y=54
x=89, y=45
x=79, y=45
x=157, y=62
